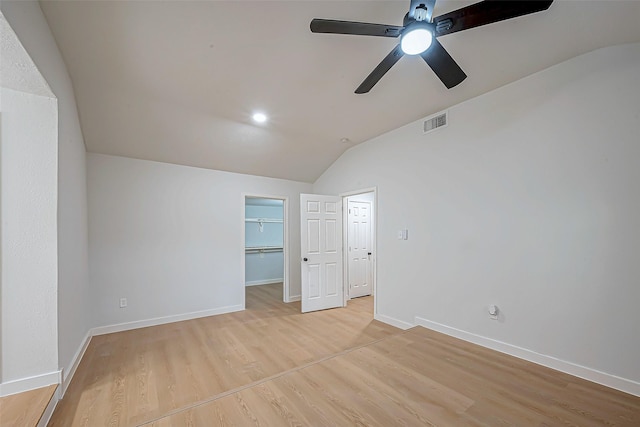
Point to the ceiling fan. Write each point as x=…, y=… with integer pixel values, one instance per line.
x=418, y=35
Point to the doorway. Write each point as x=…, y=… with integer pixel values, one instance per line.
x=265, y=242
x=324, y=244
x=359, y=243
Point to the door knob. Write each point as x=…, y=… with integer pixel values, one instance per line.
x=368, y=253
x=305, y=259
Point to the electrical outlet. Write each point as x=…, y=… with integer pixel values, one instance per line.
x=493, y=312
x=123, y=302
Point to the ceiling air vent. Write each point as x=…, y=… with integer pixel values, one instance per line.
x=434, y=122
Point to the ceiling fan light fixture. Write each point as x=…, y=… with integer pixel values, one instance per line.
x=419, y=28
x=416, y=40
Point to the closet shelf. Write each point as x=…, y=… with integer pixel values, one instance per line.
x=263, y=220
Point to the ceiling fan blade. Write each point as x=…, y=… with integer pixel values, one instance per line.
x=356, y=28
x=486, y=12
x=443, y=65
x=380, y=70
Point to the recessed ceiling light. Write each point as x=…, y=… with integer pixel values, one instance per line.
x=259, y=117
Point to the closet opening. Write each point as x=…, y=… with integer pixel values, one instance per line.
x=265, y=245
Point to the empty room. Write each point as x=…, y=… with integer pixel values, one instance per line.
x=319, y=213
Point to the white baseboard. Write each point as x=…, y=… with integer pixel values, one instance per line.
x=48, y=412
x=613, y=381
x=30, y=383
x=101, y=330
x=393, y=322
x=295, y=298
x=71, y=369
x=264, y=282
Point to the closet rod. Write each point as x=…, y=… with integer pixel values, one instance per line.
x=263, y=249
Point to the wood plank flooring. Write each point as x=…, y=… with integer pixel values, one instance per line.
x=271, y=366
x=132, y=377
x=25, y=409
x=419, y=378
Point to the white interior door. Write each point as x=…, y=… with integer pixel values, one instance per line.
x=359, y=249
x=321, y=250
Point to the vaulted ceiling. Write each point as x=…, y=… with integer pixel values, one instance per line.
x=177, y=81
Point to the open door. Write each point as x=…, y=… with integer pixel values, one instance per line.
x=321, y=250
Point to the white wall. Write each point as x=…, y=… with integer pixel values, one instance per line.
x=529, y=200
x=74, y=310
x=29, y=254
x=169, y=238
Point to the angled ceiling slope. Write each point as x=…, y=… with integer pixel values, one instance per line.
x=177, y=82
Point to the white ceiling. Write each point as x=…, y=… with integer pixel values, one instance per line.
x=177, y=81
x=17, y=70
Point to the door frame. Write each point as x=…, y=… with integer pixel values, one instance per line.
x=285, y=243
x=374, y=244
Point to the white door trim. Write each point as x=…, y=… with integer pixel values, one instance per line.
x=285, y=240
x=374, y=242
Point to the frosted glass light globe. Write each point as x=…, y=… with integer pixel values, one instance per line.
x=416, y=41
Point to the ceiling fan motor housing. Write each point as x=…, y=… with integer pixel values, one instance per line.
x=420, y=13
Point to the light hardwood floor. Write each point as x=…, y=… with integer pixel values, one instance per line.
x=418, y=378
x=132, y=377
x=25, y=409
x=272, y=366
